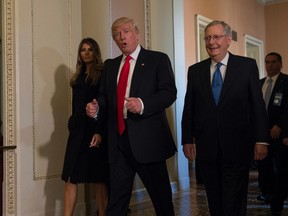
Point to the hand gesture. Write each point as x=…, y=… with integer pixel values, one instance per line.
x=92, y=108
x=96, y=141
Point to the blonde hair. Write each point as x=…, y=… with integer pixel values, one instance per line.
x=121, y=21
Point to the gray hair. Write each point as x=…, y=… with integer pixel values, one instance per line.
x=227, y=28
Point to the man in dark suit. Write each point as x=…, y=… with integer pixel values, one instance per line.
x=276, y=108
x=146, y=142
x=225, y=129
x=274, y=168
x=280, y=192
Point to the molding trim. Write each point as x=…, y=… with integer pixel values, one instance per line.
x=9, y=128
x=147, y=31
x=269, y=2
x=147, y=23
x=254, y=48
x=68, y=72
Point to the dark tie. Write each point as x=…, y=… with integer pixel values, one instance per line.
x=268, y=92
x=217, y=83
x=121, y=90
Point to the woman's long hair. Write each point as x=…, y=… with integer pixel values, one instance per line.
x=94, y=74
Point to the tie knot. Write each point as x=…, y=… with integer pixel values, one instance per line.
x=218, y=65
x=270, y=81
x=128, y=58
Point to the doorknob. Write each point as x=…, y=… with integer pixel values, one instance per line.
x=2, y=148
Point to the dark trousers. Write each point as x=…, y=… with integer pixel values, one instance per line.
x=226, y=187
x=281, y=181
x=153, y=175
x=266, y=172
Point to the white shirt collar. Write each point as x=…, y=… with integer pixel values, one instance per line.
x=274, y=78
x=224, y=61
x=135, y=54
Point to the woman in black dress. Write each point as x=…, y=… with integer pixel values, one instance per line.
x=86, y=152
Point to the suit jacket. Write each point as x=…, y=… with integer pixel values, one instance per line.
x=277, y=107
x=153, y=81
x=230, y=129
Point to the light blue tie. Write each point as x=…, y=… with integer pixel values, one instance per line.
x=217, y=83
x=268, y=92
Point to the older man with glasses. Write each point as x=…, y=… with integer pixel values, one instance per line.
x=224, y=121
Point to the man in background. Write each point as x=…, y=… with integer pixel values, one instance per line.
x=275, y=94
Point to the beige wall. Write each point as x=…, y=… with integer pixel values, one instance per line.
x=264, y=22
x=41, y=39
x=276, y=16
x=244, y=17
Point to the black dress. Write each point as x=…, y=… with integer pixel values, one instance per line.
x=84, y=164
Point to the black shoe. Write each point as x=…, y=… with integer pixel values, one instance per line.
x=264, y=197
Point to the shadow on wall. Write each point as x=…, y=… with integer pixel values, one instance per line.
x=52, y=152
x=51, y=113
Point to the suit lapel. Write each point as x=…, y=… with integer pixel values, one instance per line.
x=205, y=80
x=278, y=85
x=278, y=88
x=232, y=69
x=139, y=71
x=113, y=73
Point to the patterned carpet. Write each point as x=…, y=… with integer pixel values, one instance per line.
x=193, y=202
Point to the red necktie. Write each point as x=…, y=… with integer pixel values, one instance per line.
x=121, y=90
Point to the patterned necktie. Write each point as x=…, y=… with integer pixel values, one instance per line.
x=268, y=92
x=121, y=91
x=217, y=83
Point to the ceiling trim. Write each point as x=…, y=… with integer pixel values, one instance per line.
x=269, y=2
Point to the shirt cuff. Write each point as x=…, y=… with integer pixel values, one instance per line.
x=262, y=143
x=142, y=106
x=96, y=115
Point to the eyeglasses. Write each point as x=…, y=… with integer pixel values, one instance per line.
x=214, y=37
